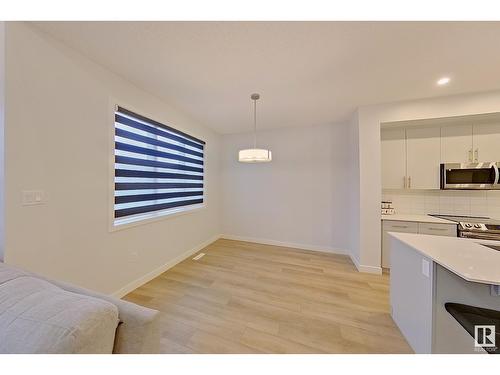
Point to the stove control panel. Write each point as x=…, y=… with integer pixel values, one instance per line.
x=474, y=226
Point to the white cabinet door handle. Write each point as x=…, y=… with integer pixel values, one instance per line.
x=476, y=155
x=400, y=226
x=404, y=182
x=409, y=182
x=470, y=155
x=438, y=229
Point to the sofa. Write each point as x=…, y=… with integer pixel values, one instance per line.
x=38, y=315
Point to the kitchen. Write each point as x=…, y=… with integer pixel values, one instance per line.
x=441, y=206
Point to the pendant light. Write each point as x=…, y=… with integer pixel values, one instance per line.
x=255, y=155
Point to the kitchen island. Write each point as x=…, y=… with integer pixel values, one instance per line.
x=429, y=271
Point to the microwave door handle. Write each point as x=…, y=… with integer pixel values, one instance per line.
x=497, y=174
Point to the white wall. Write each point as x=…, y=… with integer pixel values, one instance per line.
x=2, y=115
x=299, y=199
x=321, y=191
x=57, y=140
x=353, y=195
x=368, y=122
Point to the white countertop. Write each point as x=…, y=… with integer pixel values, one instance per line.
x=417, y=218
x=464, y=257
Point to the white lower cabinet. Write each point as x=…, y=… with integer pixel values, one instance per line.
x=435, y=229
x=449, y=230
x=394, y=226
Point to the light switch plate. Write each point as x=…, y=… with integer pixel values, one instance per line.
x=426, y=267
x=32, y=197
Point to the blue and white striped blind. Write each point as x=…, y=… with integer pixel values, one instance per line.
x=158, y=169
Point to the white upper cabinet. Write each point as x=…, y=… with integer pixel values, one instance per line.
x=393, y=158
x=456, y=144
x=423, y=149
x=411, y=155
x=486, y=141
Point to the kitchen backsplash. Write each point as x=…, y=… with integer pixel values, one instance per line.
x=469, y=203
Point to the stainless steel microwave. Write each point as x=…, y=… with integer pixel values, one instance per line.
x=470, y=176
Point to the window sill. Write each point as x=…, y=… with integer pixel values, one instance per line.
x=167, y=214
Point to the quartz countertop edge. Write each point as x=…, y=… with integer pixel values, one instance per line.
x=417, y=218
x=465, y=257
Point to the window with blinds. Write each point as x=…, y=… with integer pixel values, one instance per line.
x=158, y=169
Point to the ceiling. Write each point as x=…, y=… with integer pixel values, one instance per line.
x=308, y=73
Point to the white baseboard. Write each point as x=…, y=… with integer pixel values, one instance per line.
x=158, y=271
x=366, y=269
x=294, y=245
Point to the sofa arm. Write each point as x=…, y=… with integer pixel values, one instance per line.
x=137, y=331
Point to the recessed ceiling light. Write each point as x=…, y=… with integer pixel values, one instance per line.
x=443, y=81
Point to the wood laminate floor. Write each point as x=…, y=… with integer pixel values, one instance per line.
x=244, y=297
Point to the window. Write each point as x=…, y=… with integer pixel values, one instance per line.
x=158, y=169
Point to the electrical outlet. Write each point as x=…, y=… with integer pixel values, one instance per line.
x=426, y=267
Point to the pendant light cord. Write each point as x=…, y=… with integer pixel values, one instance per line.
x=255, y=123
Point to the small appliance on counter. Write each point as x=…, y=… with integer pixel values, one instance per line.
x=387, y=208
x=477, y=227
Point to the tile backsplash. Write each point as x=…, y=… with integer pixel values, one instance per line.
x=469, y=203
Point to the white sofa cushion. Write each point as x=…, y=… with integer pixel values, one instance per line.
x=39, y=317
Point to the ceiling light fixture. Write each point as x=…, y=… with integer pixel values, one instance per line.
x=443, y=81
x=254, y=155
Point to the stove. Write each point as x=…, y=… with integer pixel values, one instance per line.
x=475, y=226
